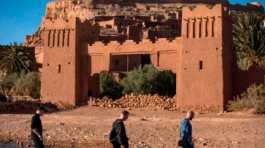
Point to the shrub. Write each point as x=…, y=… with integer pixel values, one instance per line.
x=28, y=85
x=149, y=80
x=109, y=87
x=8, y=83
x=139, y=81
x=165, y=83
x=254, y=97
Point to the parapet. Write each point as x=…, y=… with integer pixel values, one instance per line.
x=60, y=23
x=202, y=21
x=202, y=10
x=99, y=44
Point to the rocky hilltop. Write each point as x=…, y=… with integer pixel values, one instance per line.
x=88, y=9
x=102, y=10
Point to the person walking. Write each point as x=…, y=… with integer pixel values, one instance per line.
x=118, y=135
x=36, y=129
x=186, y=131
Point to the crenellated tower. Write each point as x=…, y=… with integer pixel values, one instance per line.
x=204, y=74
x=62, y=77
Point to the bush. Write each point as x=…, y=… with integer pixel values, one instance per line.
x=146, y=80
x=254, y=97
x=7, y=84
x=109, y=87
x=165, y=83
x=28, y=85
x=139, y=81
x=149, y=80
x=23, y=84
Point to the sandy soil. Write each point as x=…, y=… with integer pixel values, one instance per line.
x=88, y=127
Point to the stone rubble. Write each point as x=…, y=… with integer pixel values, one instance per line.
x=152, y=102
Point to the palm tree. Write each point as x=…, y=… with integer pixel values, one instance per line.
x=249, y=39
x=16, y=58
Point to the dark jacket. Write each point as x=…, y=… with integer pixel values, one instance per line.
x=118, y=133
x=36, y=124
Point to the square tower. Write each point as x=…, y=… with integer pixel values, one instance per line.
x=60, y=80
x=204, y=73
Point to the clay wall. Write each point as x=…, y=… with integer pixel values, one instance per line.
x=39, y=54
x=61, y=62
x=202, y=59
x=201, y=72
x=163, y=53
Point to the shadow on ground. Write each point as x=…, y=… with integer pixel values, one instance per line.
x=25, y=107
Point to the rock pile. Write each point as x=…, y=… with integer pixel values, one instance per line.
x=154, y=102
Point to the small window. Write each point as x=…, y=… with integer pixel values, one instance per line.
x=187, y=31
x=49, y=38
x=194, y=29
x=48, y=64
x=158, y=58
x=213, y=23
x=200, y=29
x=58, y=38
x=59, y=68
x=206, y=28
x=200, y=65
x=53, y=38
x=108, y=26
x=148, y=8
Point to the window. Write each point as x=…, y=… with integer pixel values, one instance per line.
x=59, y=68
x=53, y=38
x=200, y=29
x=206, y=28
x=200, y=65
x=194, y=29
x=68, y=38
x=158, y=58
x=58, y=38
x=213, y=27
x=63, y=38
x=49, y=38
x=187, y=31
x=108, y=26
x=148, y=8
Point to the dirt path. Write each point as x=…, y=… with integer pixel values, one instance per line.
x=89, y=126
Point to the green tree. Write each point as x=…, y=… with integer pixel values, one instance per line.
x=249, y=39
x=17, y=58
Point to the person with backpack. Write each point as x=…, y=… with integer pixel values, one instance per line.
x=118, y=136
x=186, y=131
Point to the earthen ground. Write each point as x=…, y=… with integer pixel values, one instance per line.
x=88, y=127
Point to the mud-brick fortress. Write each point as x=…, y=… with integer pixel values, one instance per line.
x=79, y=39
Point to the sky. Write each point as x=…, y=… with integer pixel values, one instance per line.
x=19, y=18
